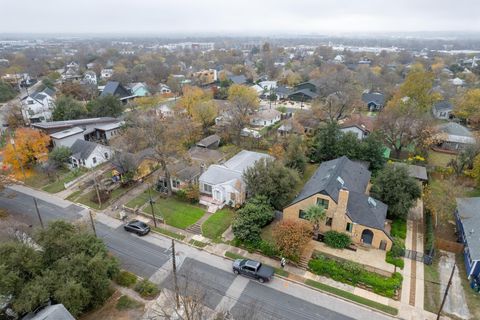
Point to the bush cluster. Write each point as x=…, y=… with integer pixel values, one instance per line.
x=354, y=274
x=429, y=235
x=147, y=289
x=396, y=261
x=337, y=239
x=254, y=215
x=399, y=229
x=125, y=279
x=398, y=247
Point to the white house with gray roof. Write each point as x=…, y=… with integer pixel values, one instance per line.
x=88, y=154
x=223, y=184
x=38, y=106
x=452, y=136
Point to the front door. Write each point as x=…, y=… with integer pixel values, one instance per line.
x=367, y=236
x=217, y=195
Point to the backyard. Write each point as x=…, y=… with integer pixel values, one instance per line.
x=439, y=159
x=178, y=214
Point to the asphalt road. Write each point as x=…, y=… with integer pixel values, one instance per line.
x=135, y=254
x=198, y=270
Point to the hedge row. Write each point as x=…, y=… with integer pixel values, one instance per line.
x=354, y=274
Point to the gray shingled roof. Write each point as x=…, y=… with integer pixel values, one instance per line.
x=208, y=141
x=52, y=312
x=443, y=106
x=115, y=88
x=376, y=97
x=366, y=211
x=325, y=180
x=240, y=79
x=82, y=149
x=417, y=172
x=469, y=212
x=305, y=92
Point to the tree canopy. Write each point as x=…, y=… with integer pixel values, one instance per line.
x=107, y=106
x=254, y=215
x=397, y=189
x=271, y=179
x=67, y=108
x=73, y=268
x=31, y=147
x=6, y=92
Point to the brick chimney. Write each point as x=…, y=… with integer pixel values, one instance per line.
x=342, y=200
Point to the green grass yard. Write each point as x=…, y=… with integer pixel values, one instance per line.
x=217, y=223
x=59, y=185
x=141, y=199
x=178, y=214
x=439, y=159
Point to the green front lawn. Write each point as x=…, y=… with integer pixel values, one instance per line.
x=399, y=229
x=176, y=213
x=217, y=223
x=141, y=199
x=59, y=185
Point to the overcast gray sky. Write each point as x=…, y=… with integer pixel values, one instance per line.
x=237, y=16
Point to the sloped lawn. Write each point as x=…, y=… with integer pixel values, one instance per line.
x=178, y=214
x=217, y=223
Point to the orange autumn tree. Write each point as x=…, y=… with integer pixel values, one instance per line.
x=291, y=237
x=31, y=148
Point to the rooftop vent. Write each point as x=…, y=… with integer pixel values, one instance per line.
x=372, y=202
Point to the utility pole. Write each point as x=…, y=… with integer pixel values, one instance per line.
x=93, y=224
x=174, y=264
x=446, y=291
x=38, y=212
x=98, y=192
x=151, y=207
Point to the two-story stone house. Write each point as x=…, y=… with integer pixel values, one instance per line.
x=341, y=186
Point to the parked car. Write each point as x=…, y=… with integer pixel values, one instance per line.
x=253, y=269
x=138, y=227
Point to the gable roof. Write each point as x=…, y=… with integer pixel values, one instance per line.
x=355, y=177
x=469, y=213
x=305, y=92
x=208, y=141
x=240, y=79
x=375, y=97
x=365, y=210
x=115, y=88
x=456, y=133
x=233, y=168
x=443, y=106
x=362, y=122
x=52, y=312
x=82, y=149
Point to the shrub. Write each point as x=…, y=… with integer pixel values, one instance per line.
x=192, y=193
x=429, y=235
x=181, y=194
x=256, y=213
x=396, y=261
x=147, y=289
x=399, y=229
x=354, y=274
x=398, y=247
x=125, y=303
x=125, y=279
x=291, y=237
x=269, y=249
x=337, y=239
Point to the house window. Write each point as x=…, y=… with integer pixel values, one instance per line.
x=322, y=203
x=94, y=160
x=349, y=227
x=302, y=214
x=207, y=188
x=106, y=155
x=329, y=222
x=176, y=183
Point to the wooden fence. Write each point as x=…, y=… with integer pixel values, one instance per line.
x=449, y=246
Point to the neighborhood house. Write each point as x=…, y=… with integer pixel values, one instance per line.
x=223, y=184
x=341, y=187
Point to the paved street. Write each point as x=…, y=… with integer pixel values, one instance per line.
x=149, y=257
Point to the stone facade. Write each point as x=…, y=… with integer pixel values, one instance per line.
x=337, y=220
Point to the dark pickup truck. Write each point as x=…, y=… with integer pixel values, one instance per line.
x=253, y=269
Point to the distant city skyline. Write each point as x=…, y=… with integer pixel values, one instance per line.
x=245, y=17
